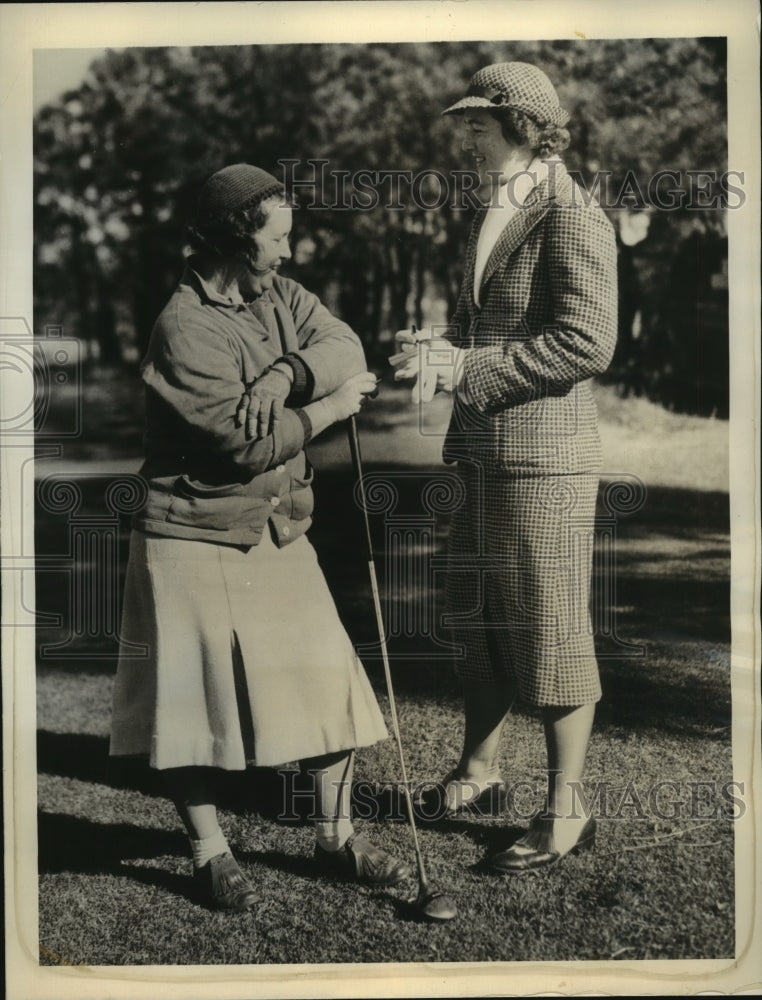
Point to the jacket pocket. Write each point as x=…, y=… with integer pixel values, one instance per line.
x=305, y=480
x=197, y=505
x=302, y=498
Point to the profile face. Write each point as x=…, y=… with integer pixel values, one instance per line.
x=272, y=246
x=494, y=157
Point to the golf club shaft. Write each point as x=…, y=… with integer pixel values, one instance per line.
x=354, y=447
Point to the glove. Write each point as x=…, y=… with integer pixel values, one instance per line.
x=434, y=363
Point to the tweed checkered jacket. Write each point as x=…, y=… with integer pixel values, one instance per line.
x=545, y=325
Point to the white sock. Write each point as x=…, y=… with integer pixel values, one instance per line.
x=333, y=833
x=208, y=848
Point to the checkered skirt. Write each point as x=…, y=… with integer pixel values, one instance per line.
x=518, y=584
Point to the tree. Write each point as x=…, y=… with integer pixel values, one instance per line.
x=119, y=161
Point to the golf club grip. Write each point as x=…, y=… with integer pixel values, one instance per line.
x=354, y=450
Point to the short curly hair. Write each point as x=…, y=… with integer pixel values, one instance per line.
x=520, y=129
x=232, y=235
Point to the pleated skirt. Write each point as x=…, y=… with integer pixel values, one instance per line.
x=241, y=657
x=517, y=594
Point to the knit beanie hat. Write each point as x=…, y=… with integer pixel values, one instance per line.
x=516, y=85
x=231, y=189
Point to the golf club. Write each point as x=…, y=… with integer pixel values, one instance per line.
x=430, y=903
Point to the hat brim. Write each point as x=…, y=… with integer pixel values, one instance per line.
x=559, y=118
x=470, y=102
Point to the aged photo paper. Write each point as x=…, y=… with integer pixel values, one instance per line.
x=45, y=52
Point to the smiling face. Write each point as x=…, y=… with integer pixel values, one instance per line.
x=495, y=158
x=271, y=249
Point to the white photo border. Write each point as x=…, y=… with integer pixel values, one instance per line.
x=26, y=27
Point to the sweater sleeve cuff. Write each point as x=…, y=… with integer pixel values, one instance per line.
x=303, y=385
x=306, y=424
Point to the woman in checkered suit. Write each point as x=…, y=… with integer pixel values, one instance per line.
x=535, y=321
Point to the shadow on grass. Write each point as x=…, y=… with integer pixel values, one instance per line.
x=86, y=758
x=70, y=844
x=282, y=795
x=638, y=694
x=670, y=596
x=304, y=867
x=178, y=885
x=85, y=847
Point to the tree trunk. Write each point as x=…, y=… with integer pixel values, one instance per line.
x=105, y=319
x=420, y=283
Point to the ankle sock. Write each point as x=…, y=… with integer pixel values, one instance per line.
x=332, y=834
x=208, y=848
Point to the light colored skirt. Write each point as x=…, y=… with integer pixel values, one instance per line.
x=246, y=658
x=517, y=594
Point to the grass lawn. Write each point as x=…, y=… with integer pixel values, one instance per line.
x=114, y=865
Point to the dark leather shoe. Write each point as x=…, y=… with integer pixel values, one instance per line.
x=536, y=849
x=433, y=803
x=360, y=861
x=223, y=886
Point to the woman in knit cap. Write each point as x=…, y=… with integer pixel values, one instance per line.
x=246, y=658
x=536, y=320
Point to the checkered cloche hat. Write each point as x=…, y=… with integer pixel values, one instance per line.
x=513, y=85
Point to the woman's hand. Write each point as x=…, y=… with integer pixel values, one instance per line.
x=408, y=363
x=341, y=403
x=350, y=396
x=262, y=403
x=434, y=363
x=408, y=340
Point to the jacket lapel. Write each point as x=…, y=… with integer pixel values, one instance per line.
x=539, y=201
x=468, y=271
x=514, y=234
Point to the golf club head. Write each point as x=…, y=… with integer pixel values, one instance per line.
x=435, y=906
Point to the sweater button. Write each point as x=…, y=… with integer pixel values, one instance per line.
x=287, y=531
x=275, y=501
